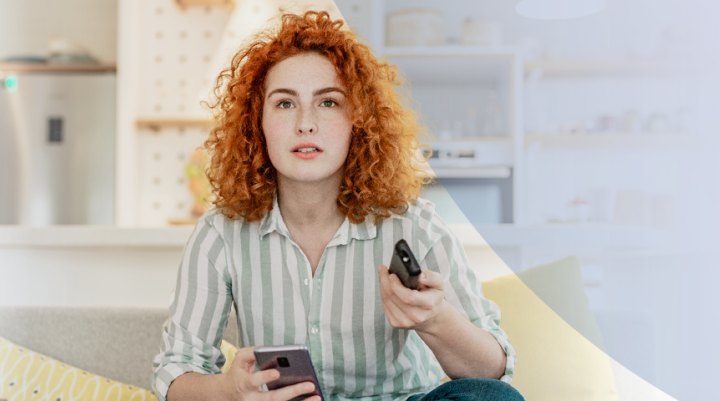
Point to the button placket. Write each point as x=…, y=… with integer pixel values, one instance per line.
x=314, y=313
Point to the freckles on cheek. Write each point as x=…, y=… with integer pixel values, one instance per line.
x=275, y=129
x=340, y=129
x=274, y=126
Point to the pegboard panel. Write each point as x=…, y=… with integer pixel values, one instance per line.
x=163, y=158
x=177, y=51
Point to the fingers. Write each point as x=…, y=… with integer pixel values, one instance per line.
x=384, y=273
x=289, y=392
x=263, y=377
x=397, y=291
x=431, y=279
x=244, y=360
x=245, y=355
x=395, y=315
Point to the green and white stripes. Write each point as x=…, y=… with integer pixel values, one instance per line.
x=337, y=312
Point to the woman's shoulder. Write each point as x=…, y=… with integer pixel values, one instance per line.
x=214, y=220
x=421, y=211
x=426, y=223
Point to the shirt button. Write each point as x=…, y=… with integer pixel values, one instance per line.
x=307, y=281
x=314, y=330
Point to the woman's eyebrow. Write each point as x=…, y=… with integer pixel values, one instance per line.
x=316, y=93
x=327, y=90
x=283, y=90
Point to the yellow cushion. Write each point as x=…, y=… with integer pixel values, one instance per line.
x=555, y=362
x=229, y=351
x=27, y=375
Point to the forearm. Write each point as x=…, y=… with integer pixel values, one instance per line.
x=462, y=349
x=197, y=387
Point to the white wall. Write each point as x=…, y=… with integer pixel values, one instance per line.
x=88, y=276
x=26, y=26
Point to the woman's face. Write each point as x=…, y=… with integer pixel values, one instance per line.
x=305, y=121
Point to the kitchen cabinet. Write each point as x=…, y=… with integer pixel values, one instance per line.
x=470, y=98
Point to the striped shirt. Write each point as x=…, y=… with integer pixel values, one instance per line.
x=337, y=313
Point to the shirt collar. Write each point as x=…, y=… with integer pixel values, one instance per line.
x=273, y=221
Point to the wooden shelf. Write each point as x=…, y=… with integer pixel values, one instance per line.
x=469, y=172
x=450, y=51
x=476, y=139
x=183, y=222
x=156, y=124
x=612, y=140
x=184, y=4
x=56, y=68
x=578, y=68
x=461, y=65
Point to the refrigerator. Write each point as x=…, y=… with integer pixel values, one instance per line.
x=57, y=148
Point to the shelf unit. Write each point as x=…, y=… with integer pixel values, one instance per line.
x=587, y=68
x=623, y=140
x=56, y=68
x=492, y=157
x=466, y=67
x=156, y=124
x=184, y=4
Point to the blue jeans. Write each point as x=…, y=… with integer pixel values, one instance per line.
x=471, y=390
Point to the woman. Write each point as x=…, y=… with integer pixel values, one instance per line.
x=312, y=173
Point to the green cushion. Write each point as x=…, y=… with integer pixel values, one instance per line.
x=559, y=284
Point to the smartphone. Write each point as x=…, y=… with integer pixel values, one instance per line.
x=403, y=264
x=294, y=364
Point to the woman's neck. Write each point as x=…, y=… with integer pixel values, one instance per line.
x=310, y=205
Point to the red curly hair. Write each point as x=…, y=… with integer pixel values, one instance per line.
x=380, y=177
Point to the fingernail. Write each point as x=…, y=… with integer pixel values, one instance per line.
x=422, y=276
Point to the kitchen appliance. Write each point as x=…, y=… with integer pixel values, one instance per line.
x=57, y=148
x=474, y=181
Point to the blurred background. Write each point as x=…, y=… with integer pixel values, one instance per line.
x=591, y=133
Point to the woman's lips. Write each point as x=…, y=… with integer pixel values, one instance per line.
x=306, y=151
x=307, y=155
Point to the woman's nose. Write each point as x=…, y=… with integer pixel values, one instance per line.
x=307, y=123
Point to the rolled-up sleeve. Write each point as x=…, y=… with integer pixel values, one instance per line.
x=464, y=291
x=199, y=308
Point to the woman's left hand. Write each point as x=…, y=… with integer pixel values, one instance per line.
x=412, y=309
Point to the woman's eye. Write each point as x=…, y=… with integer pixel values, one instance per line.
x=328, y=103
x=285, y=104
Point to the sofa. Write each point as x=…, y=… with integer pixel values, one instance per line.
x=545, y=313
x=114, y=342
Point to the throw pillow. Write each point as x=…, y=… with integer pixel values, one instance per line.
x=229, y=351
x=27, y=375
x=555, y=362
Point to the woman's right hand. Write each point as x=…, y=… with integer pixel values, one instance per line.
x=245, y=384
